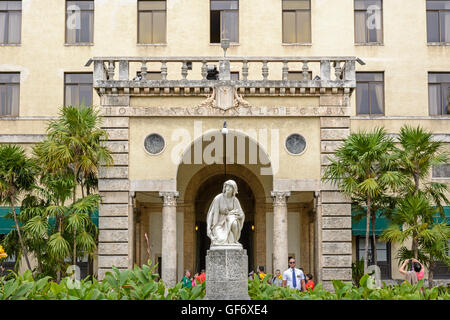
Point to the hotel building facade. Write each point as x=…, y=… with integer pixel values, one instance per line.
x=291, y=81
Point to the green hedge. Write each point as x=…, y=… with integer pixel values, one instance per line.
x=142, y=284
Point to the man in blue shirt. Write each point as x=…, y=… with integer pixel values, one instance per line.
x=293, y=277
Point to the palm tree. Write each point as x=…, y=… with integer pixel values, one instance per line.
x=418, y=153
x=364, y=168
x=73, y=147
x=17, y=176
x=414, y=218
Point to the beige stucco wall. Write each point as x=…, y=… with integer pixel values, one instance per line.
x=142, y=164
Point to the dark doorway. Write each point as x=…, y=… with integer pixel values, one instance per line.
x=205, y=194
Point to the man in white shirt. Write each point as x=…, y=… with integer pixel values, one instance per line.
x=293, y=277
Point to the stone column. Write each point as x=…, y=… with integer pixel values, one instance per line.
x=280, y=230
x=169, y=238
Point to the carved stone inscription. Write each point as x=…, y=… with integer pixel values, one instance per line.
x=240, y=111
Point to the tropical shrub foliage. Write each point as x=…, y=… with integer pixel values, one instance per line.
x=54, y=224
x=142, y=284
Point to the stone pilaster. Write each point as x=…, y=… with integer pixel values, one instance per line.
x=280, y=229
x=334, y=208
x=115, y=246
x=169, y=238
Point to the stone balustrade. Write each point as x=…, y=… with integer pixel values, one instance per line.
x=257, y=75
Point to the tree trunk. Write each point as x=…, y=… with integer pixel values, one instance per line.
x=24, y=249
x=415, y=246
x=374, y=239
x=74, y=247
x=431, y=273
x=366, y=249
x=74, y=200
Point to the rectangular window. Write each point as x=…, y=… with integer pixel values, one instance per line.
x=296, y=21
x=9, y=94
x=370, y=93
x=152, y=21
x=368, y=21
x=224, y=20
x=441, y=171
x=79, y=22
x=439, y=94
x=78, y=89
x=10, y=21
x=441, y=270
x=438, y=20
x=383, y=255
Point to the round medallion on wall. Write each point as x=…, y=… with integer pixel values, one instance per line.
x=295, y=144
x=154, y=144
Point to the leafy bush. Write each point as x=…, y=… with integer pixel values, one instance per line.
x=141, y=284
x=136, y=284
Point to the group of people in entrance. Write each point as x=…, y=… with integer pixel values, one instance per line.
x=190, y=281
x=293, y=277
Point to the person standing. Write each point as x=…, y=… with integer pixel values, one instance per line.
x=416, y=274
x=293, y=277
x=277, y=280
x=186, y=281
x=309, y=282
x=261, y=274
x=202, y=277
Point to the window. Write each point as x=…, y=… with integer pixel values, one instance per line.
x=10, y=21
x=439, y=93
x=368, y=21
x=383, y=255
x=438, y=20
x=9, y=94
x=78, y=89
x=152, y=21
x=79, y=22
x=296, y=21
x=441, y=270
x=224, y=20
x=370, y=93
x=441, y=171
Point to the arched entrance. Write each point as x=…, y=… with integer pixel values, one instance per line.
x=199, y=183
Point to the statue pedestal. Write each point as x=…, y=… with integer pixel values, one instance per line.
x=226, y=274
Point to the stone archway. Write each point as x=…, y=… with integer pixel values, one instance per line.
x=259, y=215
x=192, y=175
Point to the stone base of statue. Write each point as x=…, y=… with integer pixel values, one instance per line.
x=226, y=273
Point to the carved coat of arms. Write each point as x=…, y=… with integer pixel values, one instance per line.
x=224, y=98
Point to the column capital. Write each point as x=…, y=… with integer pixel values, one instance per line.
x=169, y=198
x=280, y=197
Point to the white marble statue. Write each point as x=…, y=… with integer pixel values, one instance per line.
x=225, y=217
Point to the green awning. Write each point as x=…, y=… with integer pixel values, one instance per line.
x=447, y=215
x=359, y=228
x=6, y=225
